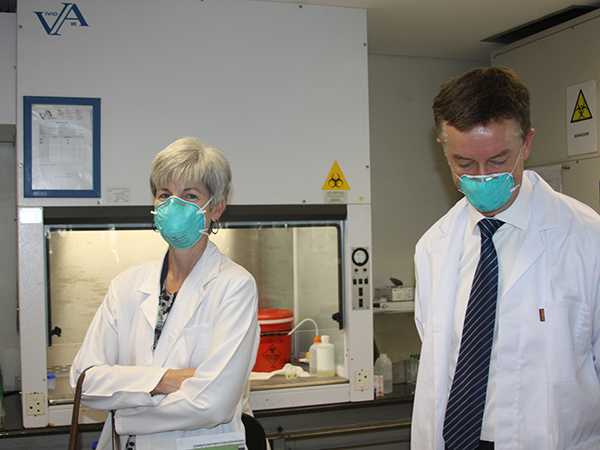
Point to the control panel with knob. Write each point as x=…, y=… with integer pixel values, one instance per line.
x=361, y=284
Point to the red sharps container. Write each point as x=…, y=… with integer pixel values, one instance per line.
x=275, y=345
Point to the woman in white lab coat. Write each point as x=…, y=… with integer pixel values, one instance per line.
x=173, y=343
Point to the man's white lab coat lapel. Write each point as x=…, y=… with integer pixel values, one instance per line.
x=446, y=254
x=533, y=246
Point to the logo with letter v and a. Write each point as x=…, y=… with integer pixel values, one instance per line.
x=53, y=21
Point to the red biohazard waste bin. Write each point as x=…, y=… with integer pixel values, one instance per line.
x=275, y=345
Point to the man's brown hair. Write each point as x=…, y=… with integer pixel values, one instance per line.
x=481, y=96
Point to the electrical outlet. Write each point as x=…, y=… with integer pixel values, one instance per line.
x=35, y=403
x=361, y=380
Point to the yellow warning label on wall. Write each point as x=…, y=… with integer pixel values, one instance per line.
x=336, y=180
x=581, y=110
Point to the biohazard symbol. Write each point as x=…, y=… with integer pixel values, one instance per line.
x=336, y=180
x=272, y=355
x=582, y=110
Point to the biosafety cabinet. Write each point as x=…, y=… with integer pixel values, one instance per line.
x=281, y=88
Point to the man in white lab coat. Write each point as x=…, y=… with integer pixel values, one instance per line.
x=508, y=289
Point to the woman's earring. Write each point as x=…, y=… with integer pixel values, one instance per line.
x=215, y=225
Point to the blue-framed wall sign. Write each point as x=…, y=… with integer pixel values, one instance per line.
x=61, y=147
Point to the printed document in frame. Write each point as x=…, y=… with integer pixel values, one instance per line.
x=61, y=146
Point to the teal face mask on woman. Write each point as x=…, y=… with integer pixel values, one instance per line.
x=488, y=192
x=180, y=223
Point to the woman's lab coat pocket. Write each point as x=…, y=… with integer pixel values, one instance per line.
x=197, y=342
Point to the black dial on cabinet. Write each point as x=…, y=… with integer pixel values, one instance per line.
x=360, y=256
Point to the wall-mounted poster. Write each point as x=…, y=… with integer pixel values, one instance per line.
x=61, y=146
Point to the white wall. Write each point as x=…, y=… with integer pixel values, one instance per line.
x=548, y=63
x=410, y=184
x=8, y=73
x=581, y=180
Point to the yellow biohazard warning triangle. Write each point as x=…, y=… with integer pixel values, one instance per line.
x=336, y=180
x=581, y=110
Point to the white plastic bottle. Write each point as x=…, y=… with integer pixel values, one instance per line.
x=325, y=352
x=312, y=355
x=383, y=366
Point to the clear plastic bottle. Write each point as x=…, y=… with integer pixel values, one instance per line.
x=51, y=381
x=325, y=353
x=383, y=366
x=412, y=368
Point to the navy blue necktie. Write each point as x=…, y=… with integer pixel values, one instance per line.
x=464, y=413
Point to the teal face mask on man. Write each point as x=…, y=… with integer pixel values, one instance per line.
x=489, y=192
x=180, y=223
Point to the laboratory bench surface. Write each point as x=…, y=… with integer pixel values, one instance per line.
x=385, y=419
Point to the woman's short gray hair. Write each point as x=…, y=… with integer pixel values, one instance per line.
x=188, y=160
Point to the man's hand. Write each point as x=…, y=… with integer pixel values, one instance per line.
x=171, y=381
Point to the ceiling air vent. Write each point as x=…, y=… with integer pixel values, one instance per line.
x=541, y=24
